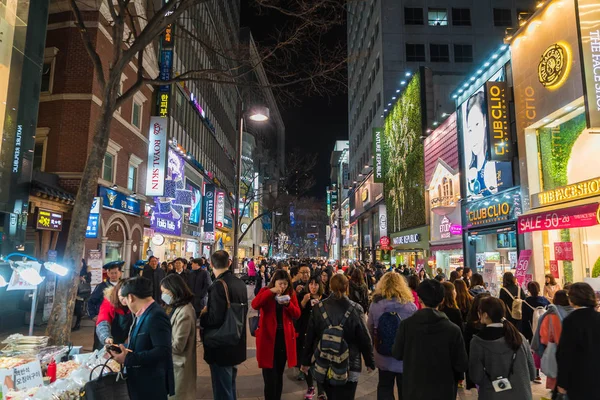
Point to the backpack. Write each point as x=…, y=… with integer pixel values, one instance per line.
x=537, y=314
x=385, y=334
x=516, y=312
x=331, y=357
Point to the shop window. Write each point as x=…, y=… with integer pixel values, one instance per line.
x=47, y=77
x=108, y=167
x=132, y=178
x=437, y=17
x=413, y=16
x=463, y=53
x=136, y=115
x=439, y=53
x=502, y=17
x=415, y=52
x=461, y=17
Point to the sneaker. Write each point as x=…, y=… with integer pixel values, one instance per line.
x=310, y=393
x=301, y=377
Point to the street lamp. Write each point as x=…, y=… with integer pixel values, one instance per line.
x=255, y=113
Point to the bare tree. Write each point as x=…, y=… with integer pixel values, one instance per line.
x=133, y=35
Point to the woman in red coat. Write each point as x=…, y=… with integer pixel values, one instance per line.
x=276, y=335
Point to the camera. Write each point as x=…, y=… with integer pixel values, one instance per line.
x=501, y=384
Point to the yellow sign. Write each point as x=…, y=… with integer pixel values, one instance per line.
x=564, y=194
x=554, y=65
x=493, y=213
x=365, y=195
x=255, y=209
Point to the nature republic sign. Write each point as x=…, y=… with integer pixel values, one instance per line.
x=378, y=155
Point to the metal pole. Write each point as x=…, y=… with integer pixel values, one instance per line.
x=340, y=240
x=33, y=310
x=238, y=178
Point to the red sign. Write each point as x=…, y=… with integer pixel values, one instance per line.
x=572, y=217
x=420, y=265
x=384, y=241
x=522, y=266
x=554, y=268
x=563, y=251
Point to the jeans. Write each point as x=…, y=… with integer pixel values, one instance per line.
x=346, y=392
x=385, y=387
x=223, y=382
x=273, y=377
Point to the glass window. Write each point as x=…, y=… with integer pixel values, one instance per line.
x=108, y=167
x=502, y=17
x=46, y=77
x=136, y=115
x=463, y=53
x=413, y=16
x=461, y=17
x=132, y=178
x=38, y=156
x=415, y=52
x=439, y=53
x=437, y=17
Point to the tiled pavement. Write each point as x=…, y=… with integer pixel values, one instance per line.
x=250, y=383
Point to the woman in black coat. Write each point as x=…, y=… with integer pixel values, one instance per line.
x=509, y=291
x=449, y=306
x=472, y=327
x=262, y=279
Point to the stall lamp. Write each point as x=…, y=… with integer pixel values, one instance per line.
x=29, y=275
x=56, y=268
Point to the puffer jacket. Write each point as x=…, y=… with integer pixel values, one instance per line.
x=356, y=333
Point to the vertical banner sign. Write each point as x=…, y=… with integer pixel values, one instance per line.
x=95, y=264
x=378, y=155
x=93, y=225
x=498, y=123
x=166, y=66
x=209, y=208
x=589, y=43
x=328, y=202
x=522, y=265
x=554, y=268
x=220, y=212
x=157, y=157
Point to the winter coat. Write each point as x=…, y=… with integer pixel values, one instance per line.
x=475, y=290
x=359, y=294
x=183, y=337
x=267, y=328
x=251, y=268
x=97, y=297
x=199, y=282
x=537, y=344
x=214, y=318
x=156, y=276
x=356, y=333
x=532, y=304
x=379, y=306
x=489, y=350
x=428, y=341
x=112, y=322
x=578, y=354
x=262, y=280
x=454, y=315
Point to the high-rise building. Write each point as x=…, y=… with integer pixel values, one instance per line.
x=389, y=39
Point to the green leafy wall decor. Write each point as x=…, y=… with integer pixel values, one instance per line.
x=403, y=165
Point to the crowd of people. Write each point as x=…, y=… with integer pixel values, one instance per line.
x=425, y=337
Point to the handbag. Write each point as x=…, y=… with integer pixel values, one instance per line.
x=549, y=366
x=84, y=289
x=230, y=333
x=111, y=386
x=253, y=324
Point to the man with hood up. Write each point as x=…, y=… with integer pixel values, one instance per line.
x=428, y=341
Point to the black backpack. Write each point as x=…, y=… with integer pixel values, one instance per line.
x=385, y=334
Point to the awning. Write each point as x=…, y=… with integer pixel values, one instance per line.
x=450, y=246
x=572, y=217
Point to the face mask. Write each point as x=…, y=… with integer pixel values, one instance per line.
x=166, y=298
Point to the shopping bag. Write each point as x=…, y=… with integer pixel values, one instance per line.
x=111, y=386
x=230, y=333
x=253, y=324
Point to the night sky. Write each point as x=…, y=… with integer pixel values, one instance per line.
x=315, y=123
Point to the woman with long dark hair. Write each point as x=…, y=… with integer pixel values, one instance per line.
x=358, y=289
x=500, y=357
x=449, y=306
x=276, y=335
x=472, y=327
x=477, y=285
x=413, y=284
x=550, y=286
x=178, y=299
x=464, y=300
x=325, y=278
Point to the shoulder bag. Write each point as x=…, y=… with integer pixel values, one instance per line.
x=230, y=333
x=111, y=386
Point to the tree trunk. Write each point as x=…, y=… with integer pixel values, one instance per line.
x=60, y=322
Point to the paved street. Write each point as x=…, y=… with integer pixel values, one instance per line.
x=250, y=383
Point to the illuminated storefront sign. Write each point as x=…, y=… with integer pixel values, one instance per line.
x=157, y=157
x=572, y=217
x=209, y=208
x=117, y=201
x=589, y=42
x=406, y=239
x=554, y=65
x=378, y=155
x=49, y=220
x=498, y=121
x=166, y=65
x=220, y=213
x=564, y=194
x=364, y=195
x=495, y=209
x=93, y=226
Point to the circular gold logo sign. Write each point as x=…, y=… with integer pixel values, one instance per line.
x=553, y=65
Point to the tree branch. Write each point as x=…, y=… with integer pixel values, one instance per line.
x=88, y=44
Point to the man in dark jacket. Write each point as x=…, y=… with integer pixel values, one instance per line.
x=154, y=274
x=428, y=341
x=148, y=357
x=223, y=361
x=199, y=282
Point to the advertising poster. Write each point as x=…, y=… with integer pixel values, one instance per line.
x=157, y=157
x=589, y=40
x=168, y=210
x=484, y=176
x=490, y=277
x=195, y=212
x=523, y=265
x=563, y=251
x=554, y=268
x=95, y=263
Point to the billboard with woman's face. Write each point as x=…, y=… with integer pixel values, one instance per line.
x=483, y=176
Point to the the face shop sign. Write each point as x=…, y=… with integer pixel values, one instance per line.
x=407, y=239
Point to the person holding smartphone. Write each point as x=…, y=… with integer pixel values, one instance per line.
x=276, y=335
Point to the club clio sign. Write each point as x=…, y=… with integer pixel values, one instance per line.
x=589, y=43
x=157, y=157
x=496, y=209
x=498, y=121
x=377, y=155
